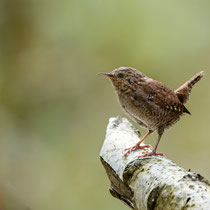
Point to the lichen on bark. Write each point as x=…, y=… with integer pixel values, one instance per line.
x=151, y=182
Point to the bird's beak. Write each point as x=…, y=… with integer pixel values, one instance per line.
x=105, y=74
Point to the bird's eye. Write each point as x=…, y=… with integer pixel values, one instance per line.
x=120, y=75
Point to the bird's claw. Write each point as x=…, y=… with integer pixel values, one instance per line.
x=146, y=154
x=134, y=148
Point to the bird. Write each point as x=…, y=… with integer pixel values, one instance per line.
x=150, y=103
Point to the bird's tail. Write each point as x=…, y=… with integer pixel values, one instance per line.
x=183, y=92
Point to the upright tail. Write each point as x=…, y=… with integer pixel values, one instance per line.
x=183, y=92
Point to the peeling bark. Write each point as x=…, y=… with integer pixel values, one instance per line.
x=151, y=182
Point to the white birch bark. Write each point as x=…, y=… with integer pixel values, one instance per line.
x=150, y=182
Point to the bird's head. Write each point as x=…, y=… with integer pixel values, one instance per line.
x=123, y=76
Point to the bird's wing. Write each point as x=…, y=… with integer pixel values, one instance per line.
x=159, y=95
x=183, y=92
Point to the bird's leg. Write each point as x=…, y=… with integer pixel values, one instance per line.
x=154, y=151
x=138, y=146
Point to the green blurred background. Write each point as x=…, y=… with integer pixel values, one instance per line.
x=54, y=108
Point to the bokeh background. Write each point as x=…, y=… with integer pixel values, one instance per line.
x=54, y=108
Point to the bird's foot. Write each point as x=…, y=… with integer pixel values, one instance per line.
x=134, y=148
x=153, y=153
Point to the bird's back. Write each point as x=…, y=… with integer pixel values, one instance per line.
x=151, y=103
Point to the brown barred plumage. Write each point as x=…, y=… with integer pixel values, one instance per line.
x=150, y=103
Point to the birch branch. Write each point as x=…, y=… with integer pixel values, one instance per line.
x=151, y=182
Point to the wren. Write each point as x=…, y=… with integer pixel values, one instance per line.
x=150, y=103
